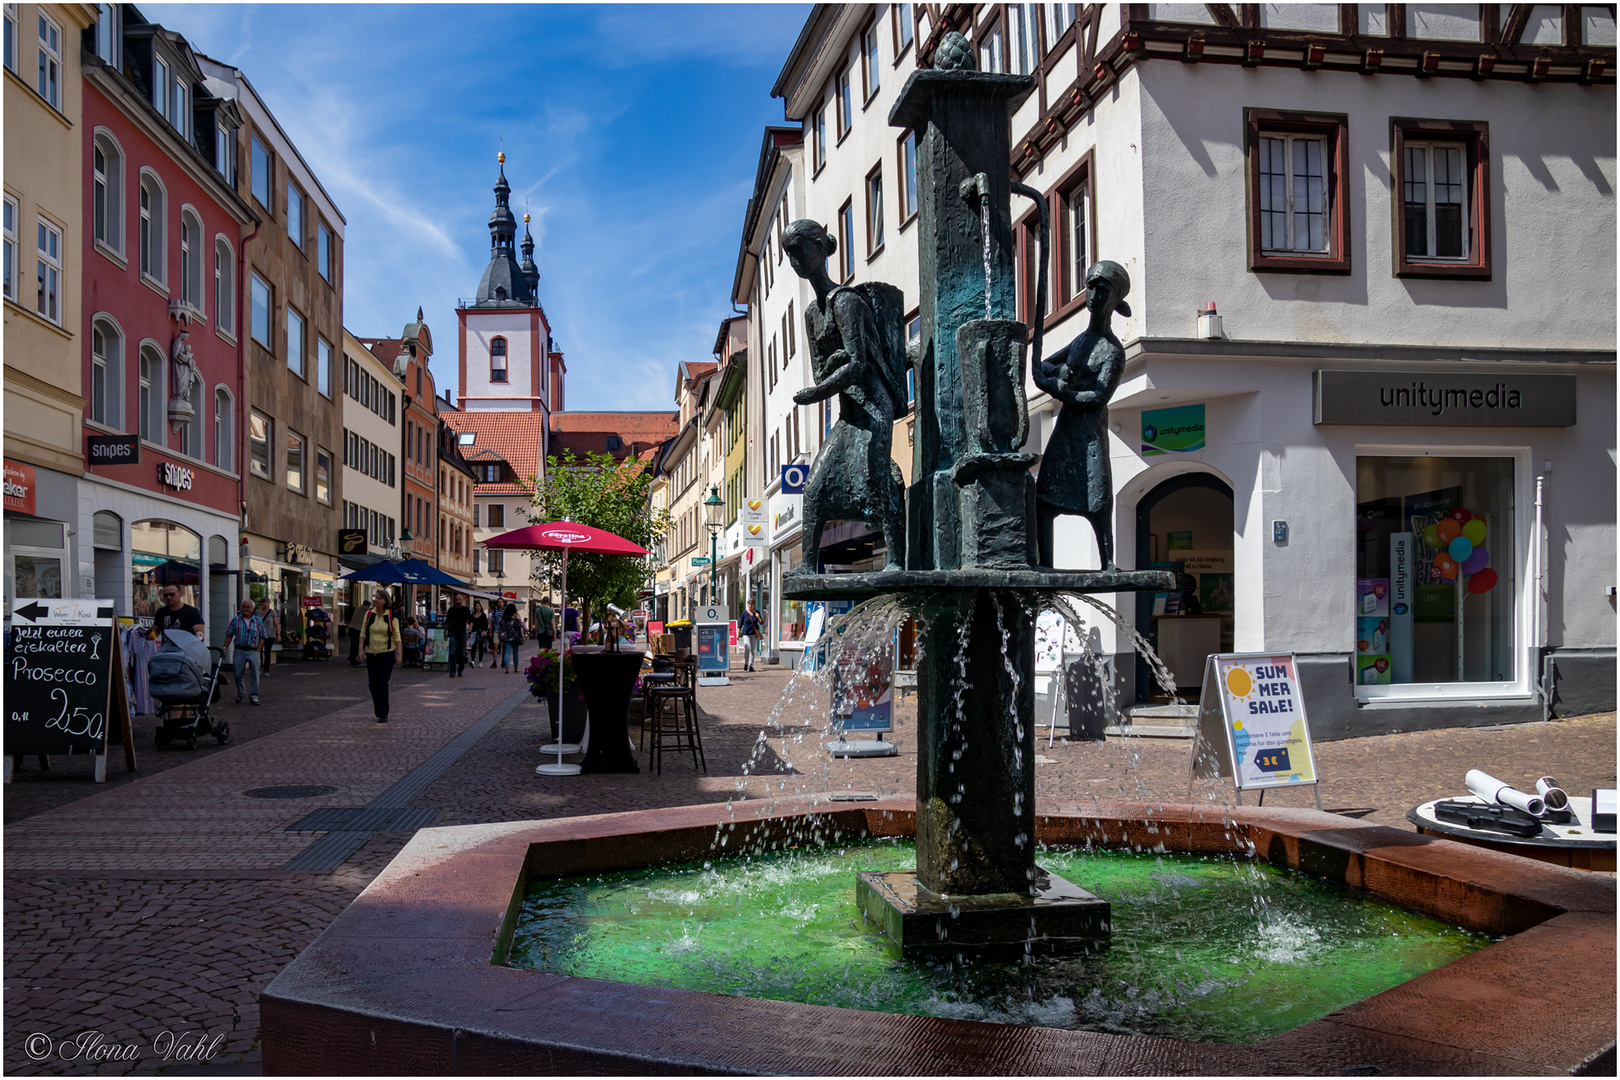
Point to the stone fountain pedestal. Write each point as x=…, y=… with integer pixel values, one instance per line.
x=1060, y=918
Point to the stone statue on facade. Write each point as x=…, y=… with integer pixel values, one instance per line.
x=1075, y=477
x=857, y=347
x=183, y=376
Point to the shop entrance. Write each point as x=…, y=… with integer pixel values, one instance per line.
x=1185, y=525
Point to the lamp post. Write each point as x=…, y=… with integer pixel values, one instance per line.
x=713, y=507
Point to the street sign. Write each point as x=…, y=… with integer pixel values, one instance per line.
x=793, y=478
x=701, y=560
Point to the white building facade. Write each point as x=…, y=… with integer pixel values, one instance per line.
x=371, y=439
x=1404, y=220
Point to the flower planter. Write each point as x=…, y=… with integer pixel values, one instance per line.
x=573, y=715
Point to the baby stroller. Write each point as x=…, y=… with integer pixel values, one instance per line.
x=184, y=680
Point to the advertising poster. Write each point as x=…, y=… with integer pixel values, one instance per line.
x=1372, y=650
x=1264, y=712
x=1402, y=606
x=712, y=642
x=863, y=692
x=1178, y=430
x=1372, y=597
x=435, y=650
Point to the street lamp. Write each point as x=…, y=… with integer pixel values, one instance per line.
x=713, y=507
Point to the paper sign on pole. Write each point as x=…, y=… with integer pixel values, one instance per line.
x=1265, y=740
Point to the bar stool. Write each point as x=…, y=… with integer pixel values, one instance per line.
x=672, y=713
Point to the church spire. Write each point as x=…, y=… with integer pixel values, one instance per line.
x=531, y=272
x=504, y=281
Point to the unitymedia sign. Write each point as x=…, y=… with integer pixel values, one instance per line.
x=1444, y=399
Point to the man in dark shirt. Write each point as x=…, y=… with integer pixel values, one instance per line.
x=455, y=633
x=174, y=615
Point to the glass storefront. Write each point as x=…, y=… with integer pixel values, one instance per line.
x=1435, y=556
x=790, y=617
x=35, y=555
x=163, y=553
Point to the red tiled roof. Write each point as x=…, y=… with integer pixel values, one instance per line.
x=515, y=437
x=587, y=432
x=384, y=349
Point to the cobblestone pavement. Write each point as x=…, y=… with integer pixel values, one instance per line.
x=150, y=913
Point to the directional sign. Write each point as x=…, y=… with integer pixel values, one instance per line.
x=701, y=560
x=63, y=612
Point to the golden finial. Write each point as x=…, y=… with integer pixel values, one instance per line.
x=501, y=157
x=525, y=217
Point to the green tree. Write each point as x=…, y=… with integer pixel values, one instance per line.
x=606, y=494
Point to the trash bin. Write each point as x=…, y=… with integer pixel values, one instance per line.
x=682, y=633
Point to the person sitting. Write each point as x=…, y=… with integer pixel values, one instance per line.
x=414, y=641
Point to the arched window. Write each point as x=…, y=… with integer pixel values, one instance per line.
x=154, y=222
x=224, y=286
x=191, y=432
x=224, y=430
x=154, y=395
x=191, y=259
x=497, y=360
x=107, y=169
x=106, y=372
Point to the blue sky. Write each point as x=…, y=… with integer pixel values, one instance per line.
x=631, y=132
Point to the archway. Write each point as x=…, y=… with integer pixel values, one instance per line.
x=1185, y=524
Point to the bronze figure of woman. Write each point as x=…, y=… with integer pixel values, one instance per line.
x=1075, y=476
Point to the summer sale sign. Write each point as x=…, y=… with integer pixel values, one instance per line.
x=1264, y=712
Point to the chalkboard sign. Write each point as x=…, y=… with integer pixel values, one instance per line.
x=64, y=682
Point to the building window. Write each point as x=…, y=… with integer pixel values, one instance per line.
x=1450, y=522
x=1297, y=192
x=106, y=373
x=295, y=214
x=225, y=151
x=1059, y=17
x=497, y=360
x=10, y=248
x=1074, y=218
x=107, y=192
x=846, y=241
x=224, y=286
x=326, y=253
x=109, y=35
x=259, y=444
x=153, y=229
x=224, y=430
x=1022, y=46
x=179, y=107
x=154, y=396
x=295, y=343
x=11, y=37
x=191, y=260
x=261, y=173
x=49, y=270
x=908, y=176
x=323, y=367
x=323, y=475
x=497, y=561
x=870, y=71
x=818, y=138
x=874, y=211
x=50, y=62
x=792, y=337
x=992, y=51
x=904, y=29
x=1442, y=222
x=845, y=103
x=295, y=461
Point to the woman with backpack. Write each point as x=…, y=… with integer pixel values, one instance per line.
x=511, y=636
x=381, y=646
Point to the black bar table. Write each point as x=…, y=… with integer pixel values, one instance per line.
x=607, y=679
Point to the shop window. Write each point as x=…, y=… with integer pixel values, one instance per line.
x=1298, y=192
x=259, y=444
x=1442, y=204
x=1435, y=590
x=164, y=554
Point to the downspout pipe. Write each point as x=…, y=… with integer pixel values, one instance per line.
x=241, y=402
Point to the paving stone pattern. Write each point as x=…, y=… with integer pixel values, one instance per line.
x=156, y=907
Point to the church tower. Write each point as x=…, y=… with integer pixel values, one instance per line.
x=508, y=361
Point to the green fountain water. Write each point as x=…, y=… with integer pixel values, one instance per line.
x=1209, y=948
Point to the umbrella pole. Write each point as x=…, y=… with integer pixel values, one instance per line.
x=560, y=768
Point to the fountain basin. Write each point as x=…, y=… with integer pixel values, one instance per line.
x=410, y=978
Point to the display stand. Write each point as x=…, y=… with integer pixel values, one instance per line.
x=1252, y=725
x=713, y=632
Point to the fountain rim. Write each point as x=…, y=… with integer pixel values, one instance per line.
x=807, y=586
x=411, y=975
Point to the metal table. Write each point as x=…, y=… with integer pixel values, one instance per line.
x=1574, y=845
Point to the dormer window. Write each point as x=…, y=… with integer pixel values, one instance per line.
x=171, y=96
x=614, y=443
x=497, y=357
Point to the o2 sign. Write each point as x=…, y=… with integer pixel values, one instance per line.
x=793, y=478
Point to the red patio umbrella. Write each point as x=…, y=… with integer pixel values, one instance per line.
x=564, y=536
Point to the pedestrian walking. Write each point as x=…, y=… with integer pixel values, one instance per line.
x=495, y=647
x=480, y=633
x=355, y=622
x=749, y=628
x=511, y=636
x=175, y=615
x=243, y=635
x=381, y=646
x=272, y=634
x=545, y=626
x=456, y=622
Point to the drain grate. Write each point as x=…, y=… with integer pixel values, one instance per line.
x=365, y=819
x=290, y=791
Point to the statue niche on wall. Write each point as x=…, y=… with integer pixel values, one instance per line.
x=857, y=349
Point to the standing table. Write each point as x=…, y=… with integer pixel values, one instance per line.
x=607, y=680
x=1573, y=845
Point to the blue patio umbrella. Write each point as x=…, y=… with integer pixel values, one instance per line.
x=405, y=572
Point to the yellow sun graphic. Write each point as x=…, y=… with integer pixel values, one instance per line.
x=1238, y=682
